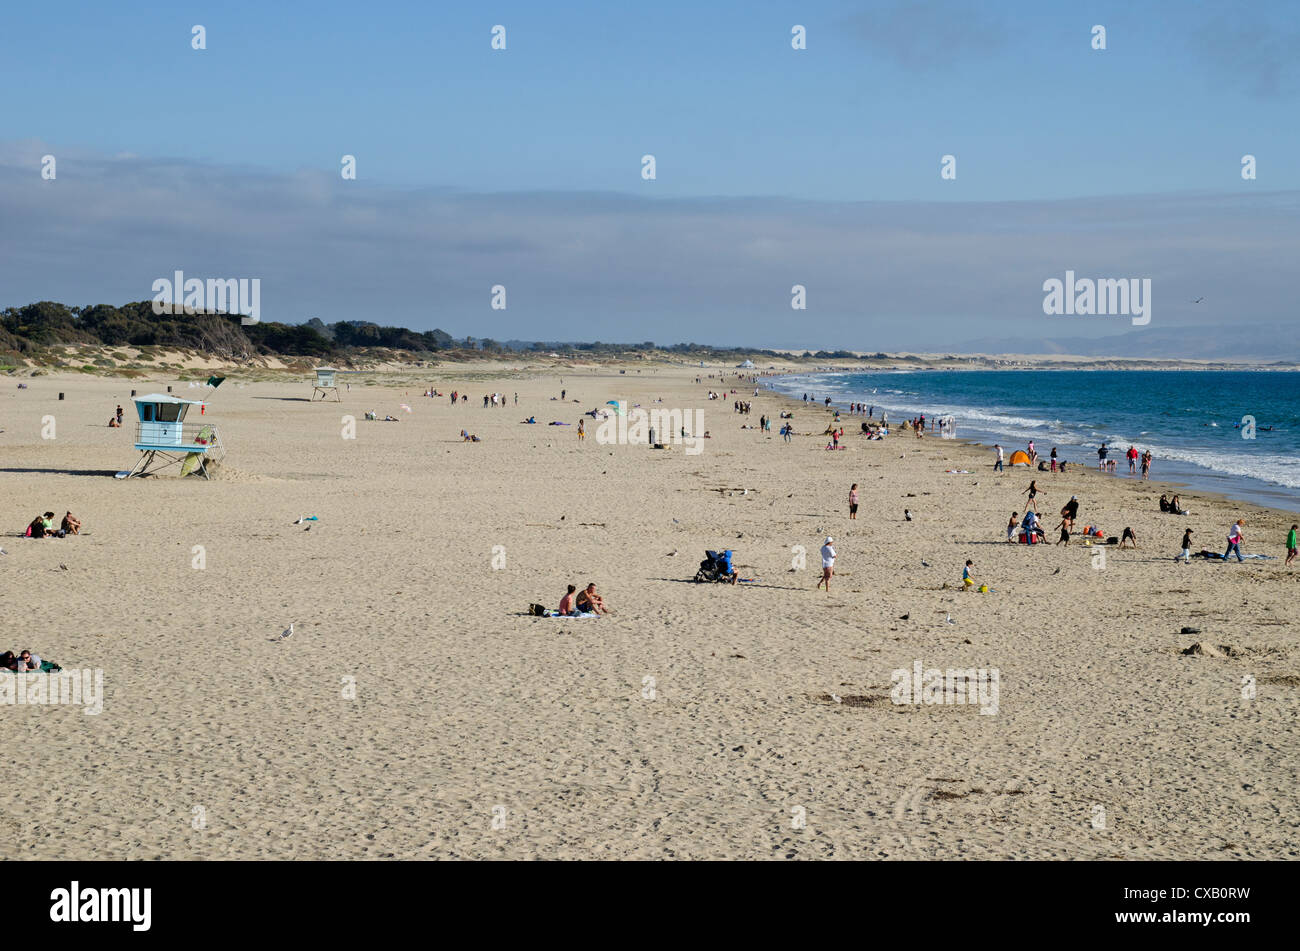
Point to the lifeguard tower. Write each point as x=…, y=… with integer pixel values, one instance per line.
x=325, y=384
x=163, y=432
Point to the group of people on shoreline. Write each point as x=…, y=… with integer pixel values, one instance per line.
x=1106, y=464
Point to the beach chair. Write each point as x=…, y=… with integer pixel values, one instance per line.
x=715, y=568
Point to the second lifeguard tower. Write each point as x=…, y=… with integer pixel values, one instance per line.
x=325, y=384
x=163, y=432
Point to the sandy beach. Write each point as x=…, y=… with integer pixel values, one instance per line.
x=420, y=712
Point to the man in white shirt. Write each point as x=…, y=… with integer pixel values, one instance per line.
x=997, y=453
x=828, y=564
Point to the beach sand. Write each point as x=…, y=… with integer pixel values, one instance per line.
x=477, y=731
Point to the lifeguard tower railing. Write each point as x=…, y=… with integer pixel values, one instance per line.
x=175, y=441
x=173, y=437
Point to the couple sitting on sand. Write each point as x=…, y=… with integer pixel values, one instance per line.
x=19, y=662
x=42, y=526
x=586, y=601
x=1173, y=506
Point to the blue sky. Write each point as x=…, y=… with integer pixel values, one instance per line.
x=839, y=143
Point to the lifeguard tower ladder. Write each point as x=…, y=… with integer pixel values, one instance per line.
x=325, y=383
x=162, y=432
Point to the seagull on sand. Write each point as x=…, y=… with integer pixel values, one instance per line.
x=287, y=632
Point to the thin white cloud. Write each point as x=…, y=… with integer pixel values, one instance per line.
x=617, y=267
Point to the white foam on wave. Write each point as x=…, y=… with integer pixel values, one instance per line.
x=1273, y=468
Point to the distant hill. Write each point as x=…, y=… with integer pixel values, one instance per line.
x=1242, y=340
x=34, y=327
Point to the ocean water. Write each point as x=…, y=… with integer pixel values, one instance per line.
x=1191, y=420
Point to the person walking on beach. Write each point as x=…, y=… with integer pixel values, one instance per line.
x=1011, y=527
x=1071, y=510
x=1065, y=534
x=1132, y=460
x=1101, y=457
x=1290, y=545
x=582, y=433
x=828, y=564
x=1053, y=457
x=1235, y=537
x=997, y=458
x=1032, y=492
x=1146, y=463
x=853, y=501
x=1187, y=547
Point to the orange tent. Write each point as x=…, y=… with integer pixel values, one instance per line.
x=1020, y=458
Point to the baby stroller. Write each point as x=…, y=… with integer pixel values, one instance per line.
x=716, y=567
